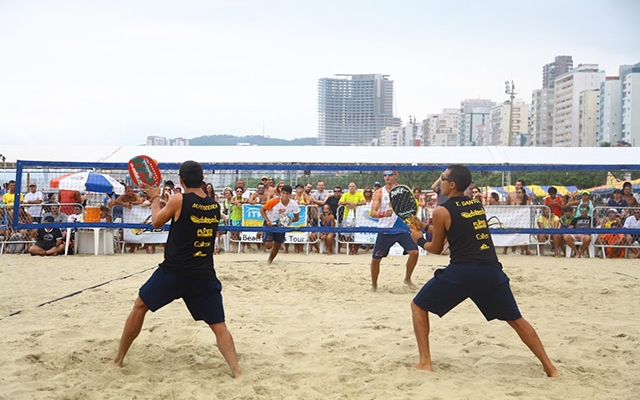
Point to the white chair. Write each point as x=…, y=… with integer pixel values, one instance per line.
x=592, y=247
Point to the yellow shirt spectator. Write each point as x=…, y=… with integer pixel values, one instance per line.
x=9, y=198
x=356, y=198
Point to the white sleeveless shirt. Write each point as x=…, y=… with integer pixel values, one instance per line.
x=386, y=222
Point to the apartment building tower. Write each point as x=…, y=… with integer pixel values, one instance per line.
x=566, y=107
x=561, y=65
x=354, y=109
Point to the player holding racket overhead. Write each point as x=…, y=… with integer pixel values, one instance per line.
x=474, y=270
x=381, y=209
x=187, y=271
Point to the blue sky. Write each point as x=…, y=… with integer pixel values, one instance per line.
x=115, y=72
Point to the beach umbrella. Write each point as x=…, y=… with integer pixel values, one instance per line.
x=87, y=181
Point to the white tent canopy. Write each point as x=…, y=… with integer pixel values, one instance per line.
x=622, y=157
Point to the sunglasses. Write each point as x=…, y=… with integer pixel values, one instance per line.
x=444, y=178
x=387, y=174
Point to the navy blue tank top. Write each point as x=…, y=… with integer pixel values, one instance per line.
x=469, y=237
x=191, y=241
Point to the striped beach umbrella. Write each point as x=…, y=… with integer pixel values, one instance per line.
x=87, y=181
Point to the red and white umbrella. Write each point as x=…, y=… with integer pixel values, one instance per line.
x=87, y=181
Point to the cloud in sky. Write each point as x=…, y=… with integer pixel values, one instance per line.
x=115, y=72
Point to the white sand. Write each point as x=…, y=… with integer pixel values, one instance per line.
x=308, y=327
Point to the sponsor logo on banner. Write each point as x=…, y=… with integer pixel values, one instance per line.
x=140, y=215
x=251, y=217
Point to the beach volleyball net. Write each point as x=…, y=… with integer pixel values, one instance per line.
x=81, y=192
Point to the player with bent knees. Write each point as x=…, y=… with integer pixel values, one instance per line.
x=473, y=272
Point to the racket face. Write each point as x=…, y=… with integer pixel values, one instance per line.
x=144, y=171
x=403, y=202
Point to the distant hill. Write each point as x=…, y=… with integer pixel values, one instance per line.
x=230, y=140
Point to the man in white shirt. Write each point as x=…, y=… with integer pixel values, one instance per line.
x=633, y=222
x=34, y=197
x=274, y=211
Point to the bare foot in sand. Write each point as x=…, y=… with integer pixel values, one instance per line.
x=409, y=283
x=374, y=288
x=553, y=373
x=424, y=367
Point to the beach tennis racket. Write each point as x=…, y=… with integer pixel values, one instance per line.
x=403, y=202
x=144, y=172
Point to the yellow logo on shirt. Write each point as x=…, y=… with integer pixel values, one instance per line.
x=472, y=214
x=205, y=232
x=199, y=254
x=204, y=220
x=479, y=224
x=201, y=244
x=482, y=236
x=484, y=246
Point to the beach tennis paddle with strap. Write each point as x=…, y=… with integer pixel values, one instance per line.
x=403, y=202
x=144, y=172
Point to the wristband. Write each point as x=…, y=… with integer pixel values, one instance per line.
x=421, y=242
x=380, y=214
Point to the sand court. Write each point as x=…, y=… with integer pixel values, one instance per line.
x=308, y=327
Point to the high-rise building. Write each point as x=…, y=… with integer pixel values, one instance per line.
x=474, y=113
x=542, y=117
x=499, y=116
x=630, y=127
x=566, y=107
x=442, y=129
x=354, y=109
x=610, y=110
x=391, y=137
x=561, y=65
x=589, y=117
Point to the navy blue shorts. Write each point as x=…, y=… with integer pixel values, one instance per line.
x=202, y=297
x=384, y=242
x=487, y=286
x=268, y=236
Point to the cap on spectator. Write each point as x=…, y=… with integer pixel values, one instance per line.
x=613, y=210
x=33, y=184
x=49, y=218
x=178, y=187
x=617, y=191
x=287, y=188
x=264, y=177
x=586, y=192
x=376, y=184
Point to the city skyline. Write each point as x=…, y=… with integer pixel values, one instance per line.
x=117, y=72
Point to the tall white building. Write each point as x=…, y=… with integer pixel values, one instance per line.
x=589, y=117
x=391, y=137
x=354, y=109
x=566, y=118
x=474, y=114
x=443, y=128
x=542, y=117
x=429, y=128
x=610, y=110
x=630, y=79
x=499, y=123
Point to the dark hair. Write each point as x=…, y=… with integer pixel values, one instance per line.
x=567, y=208
x=192, y=174
x=624, y=185
x=553, y=190
x=287, y=188
x=460, y=175
x=495, y=195
x=522, y=181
